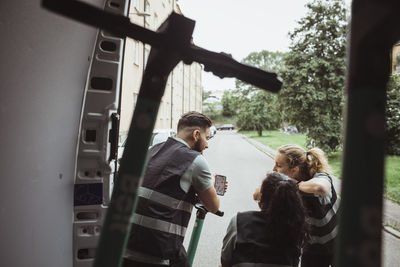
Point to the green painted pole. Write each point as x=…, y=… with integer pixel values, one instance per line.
x=116, y=227
x=195, y=237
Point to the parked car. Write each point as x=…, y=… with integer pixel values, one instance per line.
x=213, y=130
x=289, y=130
x=226, y=127
x=161, y=135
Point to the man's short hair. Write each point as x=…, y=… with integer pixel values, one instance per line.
x=194, y=119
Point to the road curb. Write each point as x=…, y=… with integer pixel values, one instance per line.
x=268, y=151
x=392, y=231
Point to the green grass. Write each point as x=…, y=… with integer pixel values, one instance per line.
x=275, y=139
x=335, y=161
x=392, y=178
x=392, y=174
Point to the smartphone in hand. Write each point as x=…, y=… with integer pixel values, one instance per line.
x=219, y=184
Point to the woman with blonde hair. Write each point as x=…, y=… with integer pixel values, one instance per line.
x=311, y=170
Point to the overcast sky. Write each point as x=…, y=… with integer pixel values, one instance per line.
x=240, y=27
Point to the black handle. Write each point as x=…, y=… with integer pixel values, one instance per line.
x=223, y=65
x=113, y=136
x=201, y=207
x=219, y=213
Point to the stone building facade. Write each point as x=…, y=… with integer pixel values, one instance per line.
x=183, y=91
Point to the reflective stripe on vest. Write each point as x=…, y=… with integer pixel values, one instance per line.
x=249, y=264
x=164, y=199
x=324, y=239
x=328, y=216
x=159, y=225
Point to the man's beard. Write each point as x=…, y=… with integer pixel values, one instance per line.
x=197, y=146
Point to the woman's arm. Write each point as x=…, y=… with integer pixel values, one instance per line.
x=316, y=186
x=257, y=194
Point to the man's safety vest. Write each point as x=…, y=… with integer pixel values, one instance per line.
x=323, y=221
x=256, y=245
x=163, y=211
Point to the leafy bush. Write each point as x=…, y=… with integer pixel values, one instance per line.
x=393, y=116
x=256, y=109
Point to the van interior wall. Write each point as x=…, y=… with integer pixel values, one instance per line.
x=43, y=71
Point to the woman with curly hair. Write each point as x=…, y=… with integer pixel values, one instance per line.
x=273, y=236
x=310, y=169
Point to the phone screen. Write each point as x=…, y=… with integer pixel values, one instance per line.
x=219, y=184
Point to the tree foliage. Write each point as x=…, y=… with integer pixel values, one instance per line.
x=212, y=110
x=256, y=109
x=228, y=104
x=206, y=94
x=393, y=116
x=258, y=112
x=312, y=96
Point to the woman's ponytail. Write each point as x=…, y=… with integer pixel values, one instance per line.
x=317, y=161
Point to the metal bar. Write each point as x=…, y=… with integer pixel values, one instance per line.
x=117, y=224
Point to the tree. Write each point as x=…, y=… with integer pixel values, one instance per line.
x=312, y=96
x=256, y=109
x=211, y=110
x=228, y=103
x=206, y=94
x=393, y=116
x=259, y=112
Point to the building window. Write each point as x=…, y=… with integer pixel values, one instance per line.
x=135, y=97
x=136, y=53
x=162, y=108
x=166, y=106
x=146, y=12
x=146, y=56
x=155, y=21
x=136, y=4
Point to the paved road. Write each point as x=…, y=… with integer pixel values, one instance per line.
x=245, y=166
x=391, y=248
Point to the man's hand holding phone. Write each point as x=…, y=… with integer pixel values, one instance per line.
x=220, y=184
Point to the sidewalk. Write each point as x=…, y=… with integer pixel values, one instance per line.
x=391, y=216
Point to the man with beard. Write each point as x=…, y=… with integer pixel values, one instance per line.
x=176, y=174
